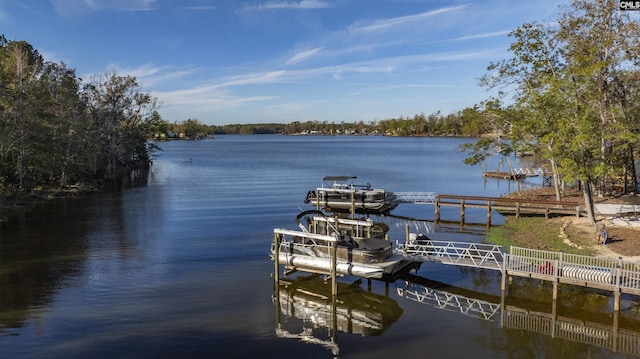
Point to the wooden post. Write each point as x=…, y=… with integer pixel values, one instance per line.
x=615, y=331
x=555, y=280
x=407, y=233
x=334, y=265
x=462, y=211
x=616, y=300
x=489, y=213
x=437, y=209
x=554, y=316
x=276, y=259
x=353, y=203
x=517, y=210
x=503, y=311
x=503, y=284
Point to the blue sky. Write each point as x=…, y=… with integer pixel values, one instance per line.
x=258, y=61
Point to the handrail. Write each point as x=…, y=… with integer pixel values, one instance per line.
x=319, y=237
x=507, y=200
x=609, y=273
x=477, y=255
x=416, y=197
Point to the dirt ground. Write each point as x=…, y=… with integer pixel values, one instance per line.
x=624, y=241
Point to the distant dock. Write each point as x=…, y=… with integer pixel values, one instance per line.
x=516, y=174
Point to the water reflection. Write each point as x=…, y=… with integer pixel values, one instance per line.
x=306, y=310
x=57, y=242
x=442, y=299
x=38, y=253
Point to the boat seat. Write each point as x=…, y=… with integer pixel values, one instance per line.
x=373, y=243
x=346, y=240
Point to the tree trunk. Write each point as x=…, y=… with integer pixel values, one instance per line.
x=632, y=164
x=587, y=191
x=556, y=179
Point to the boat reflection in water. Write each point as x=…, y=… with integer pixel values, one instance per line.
x=306, y=310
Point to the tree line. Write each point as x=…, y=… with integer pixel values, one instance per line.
x=465, y=123
x=57, y=130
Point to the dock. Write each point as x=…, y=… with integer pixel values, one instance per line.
x=609, y=274
x=503, y=205
x=513, y=206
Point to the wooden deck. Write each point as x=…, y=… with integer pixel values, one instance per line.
x=513, y=206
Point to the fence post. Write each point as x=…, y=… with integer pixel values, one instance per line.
x=616, y=303
x=503, y=285
x=334, y=269
x=276, y=259
x=555, y=278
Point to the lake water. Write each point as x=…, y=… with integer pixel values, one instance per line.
x=180, y=267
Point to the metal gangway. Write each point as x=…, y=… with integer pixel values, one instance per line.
x=528, y=171
x=416, y=197
x=448, y=301
x=476, y=255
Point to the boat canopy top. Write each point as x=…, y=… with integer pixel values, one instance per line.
x=339, y=178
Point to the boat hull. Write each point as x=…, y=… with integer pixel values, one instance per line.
x=377, y=200
x=323, y=265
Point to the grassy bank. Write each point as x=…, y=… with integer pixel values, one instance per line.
x=532, y=232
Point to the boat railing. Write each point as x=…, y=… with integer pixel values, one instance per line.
x=290, y=241
x=351, y=222
x=306, y=235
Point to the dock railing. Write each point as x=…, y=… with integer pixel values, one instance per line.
x=516, y=206
x=416, y=197
x=598, y=272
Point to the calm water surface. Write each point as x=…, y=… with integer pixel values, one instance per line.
x=180, y=267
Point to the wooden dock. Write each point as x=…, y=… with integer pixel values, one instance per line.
x=506, y=205
x=505, y=175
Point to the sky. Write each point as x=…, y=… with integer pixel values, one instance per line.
x=278, y=61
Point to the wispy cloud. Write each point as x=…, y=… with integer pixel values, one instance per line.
x=387, y=24
x=200, y=8
x=481, y=36
x=205, y=99
x=303, y=5
x=75, y=7
x=301, y=56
